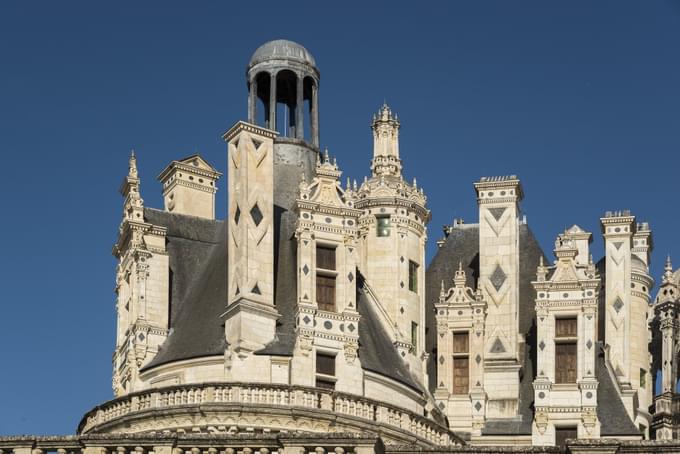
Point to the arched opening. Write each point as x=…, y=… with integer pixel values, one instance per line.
x=307, y=93
x=286, y=103
x=260, y=108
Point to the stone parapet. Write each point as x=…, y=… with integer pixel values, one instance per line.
x=224, y=407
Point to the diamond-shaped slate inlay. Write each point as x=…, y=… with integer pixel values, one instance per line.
x=402, y=259
x=441, y=405
x=589, y=344
x=441, y=360
x=541, y=345
x=478, y=359
x=497, y=278
x=497, y=346
x=618, y=304
x=401, y=309
x=478, y=406
x=401, y=284
x=305, y=269
x=256, y=214
x=618, y=245
x=306, y=319
x=351, y=328
x=350, y=276
x=237, y=215
x=497, y=212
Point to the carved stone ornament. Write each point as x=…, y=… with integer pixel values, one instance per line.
x=541, y=420
x=351, y=348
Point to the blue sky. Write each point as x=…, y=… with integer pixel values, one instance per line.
x=580, y=99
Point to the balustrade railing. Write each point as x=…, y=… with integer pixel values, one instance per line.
x=270, y=395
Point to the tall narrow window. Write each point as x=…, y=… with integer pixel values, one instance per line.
x=565, y=350
x=461, y=363
x=412, y=276
x=325, y=278
x=414, y=336
x=325, y=371
x=383, y=225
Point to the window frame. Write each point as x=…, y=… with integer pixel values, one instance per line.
x=460, y=355
x=326, y=275
x=387, y=229
x=413, y=268
x=324, y=380
x=566, y=339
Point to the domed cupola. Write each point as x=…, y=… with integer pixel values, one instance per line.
x=283, y=83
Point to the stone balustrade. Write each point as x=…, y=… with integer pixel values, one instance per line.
x=372, y=415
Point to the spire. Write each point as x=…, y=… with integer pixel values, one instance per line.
x=132, y=165
x=668, y=292
x=385, y=128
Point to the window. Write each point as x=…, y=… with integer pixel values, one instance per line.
x=414, y=336
x=461, y=363
x=382, y=227
x=562, y=434
x=325, y=370
x=412, y=276
x=565, y=350
x=325, y=278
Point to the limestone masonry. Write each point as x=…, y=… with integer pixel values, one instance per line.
x=309, y=321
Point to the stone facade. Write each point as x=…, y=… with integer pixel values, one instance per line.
x=309, y=321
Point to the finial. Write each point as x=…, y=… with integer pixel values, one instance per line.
x=326, y=157
x=347, y=186
x=540, y=261
x=132, y=165
x=460, y=266
x=335, y=162
x=590, y=259
x=415, y=183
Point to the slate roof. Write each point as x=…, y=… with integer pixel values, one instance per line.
x=198, y=266
x=198, y=263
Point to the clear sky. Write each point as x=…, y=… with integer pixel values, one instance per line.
x=580, y=99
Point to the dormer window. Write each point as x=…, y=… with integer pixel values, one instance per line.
x=325, y=277
x=383, y=225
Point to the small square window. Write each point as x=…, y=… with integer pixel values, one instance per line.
x=383, y=225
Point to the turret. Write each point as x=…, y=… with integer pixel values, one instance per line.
x=142, y=287
x=392, y=241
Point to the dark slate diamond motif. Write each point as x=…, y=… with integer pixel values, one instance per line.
x=618, y=304
x=402, y=259
x=238, y=290
x=305, y=269
x=589, y=344
x=441, y=384
x=441, y=360
x=350, y=327
x=401, y=309
x=306, y=319
x=497, y=212
x=441, y=405
x=618, y=245
x=401, y=284
x=478, y=406
x=350, y=276
x=141, y=336
x=497, y=278
x=237, y=215
x=541, y=345
x=305, y=297
x=478, y=359
x=305, y=241
x=403, y=354
x=256, y=214
x=497, y=346
x=256, y=290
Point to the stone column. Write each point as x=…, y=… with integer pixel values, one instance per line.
x=315, y=115
x=252, y=101
x=272, y=103
x=299, y=109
